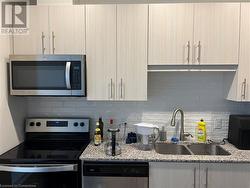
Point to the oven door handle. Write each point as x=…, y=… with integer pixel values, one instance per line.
x=39, y=168
x=67, y=74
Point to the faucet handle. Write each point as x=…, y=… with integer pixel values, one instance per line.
x=186, y=135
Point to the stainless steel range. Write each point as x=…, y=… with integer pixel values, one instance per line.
x=49, y=156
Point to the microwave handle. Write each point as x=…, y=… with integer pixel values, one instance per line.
x=39, y=169
x=67, y=75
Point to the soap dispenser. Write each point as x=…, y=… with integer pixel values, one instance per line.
x=201, y=131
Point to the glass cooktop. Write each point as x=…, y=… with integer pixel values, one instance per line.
x=45, y=151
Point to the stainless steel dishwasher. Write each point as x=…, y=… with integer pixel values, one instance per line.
x=115, y=174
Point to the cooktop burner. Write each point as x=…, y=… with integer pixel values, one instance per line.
x=47, y=144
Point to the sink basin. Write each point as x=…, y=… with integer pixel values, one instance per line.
x=207, y=149
x=193, y=149
x=172, y=149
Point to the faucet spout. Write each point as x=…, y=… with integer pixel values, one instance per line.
x=173, y=122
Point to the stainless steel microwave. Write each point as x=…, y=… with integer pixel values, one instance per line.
x=47, y=75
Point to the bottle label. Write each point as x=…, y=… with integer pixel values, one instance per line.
x=201, y=135
x=200, y=132
x=98, y=139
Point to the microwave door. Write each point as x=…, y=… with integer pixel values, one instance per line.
x=50, y=78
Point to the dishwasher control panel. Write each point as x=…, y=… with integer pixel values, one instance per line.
x=116, y=169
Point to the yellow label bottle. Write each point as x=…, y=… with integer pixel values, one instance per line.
x=97, y=138
x=201, y=131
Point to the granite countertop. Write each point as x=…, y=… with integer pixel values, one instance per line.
x=131, y=153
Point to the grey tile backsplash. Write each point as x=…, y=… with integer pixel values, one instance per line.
x=200, y=94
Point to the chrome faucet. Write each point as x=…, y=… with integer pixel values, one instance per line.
x=182, y=135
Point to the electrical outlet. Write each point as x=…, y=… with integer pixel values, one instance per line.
x=218, y=124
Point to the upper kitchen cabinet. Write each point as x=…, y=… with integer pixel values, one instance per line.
x=170, y=33
x=116, y=48
x=132, y=26
x=37, y=39
x=53, y=30
x=240, y=90
x=216, y=33
x=67, y=29
x=101, y=51
x=202, y=33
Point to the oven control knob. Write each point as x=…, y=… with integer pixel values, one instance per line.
x=38, y=124
x=32, y=124
x=82, y=124
x=76, y=124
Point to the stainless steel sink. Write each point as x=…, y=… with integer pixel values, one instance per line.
x=207, y=149
x=172, y=149
x=192, y=149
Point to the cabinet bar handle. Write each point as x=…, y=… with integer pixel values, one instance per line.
x=199, y=52
x=111, y=88
x=194, y=177
x=188, y=54
x=53, y=42
x=206, y=177
x=43, y=48
x=243, y=89
x=121, y=89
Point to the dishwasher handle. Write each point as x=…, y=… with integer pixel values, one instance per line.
x=116, y=169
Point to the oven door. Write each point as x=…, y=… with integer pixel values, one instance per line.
x=40, y=176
